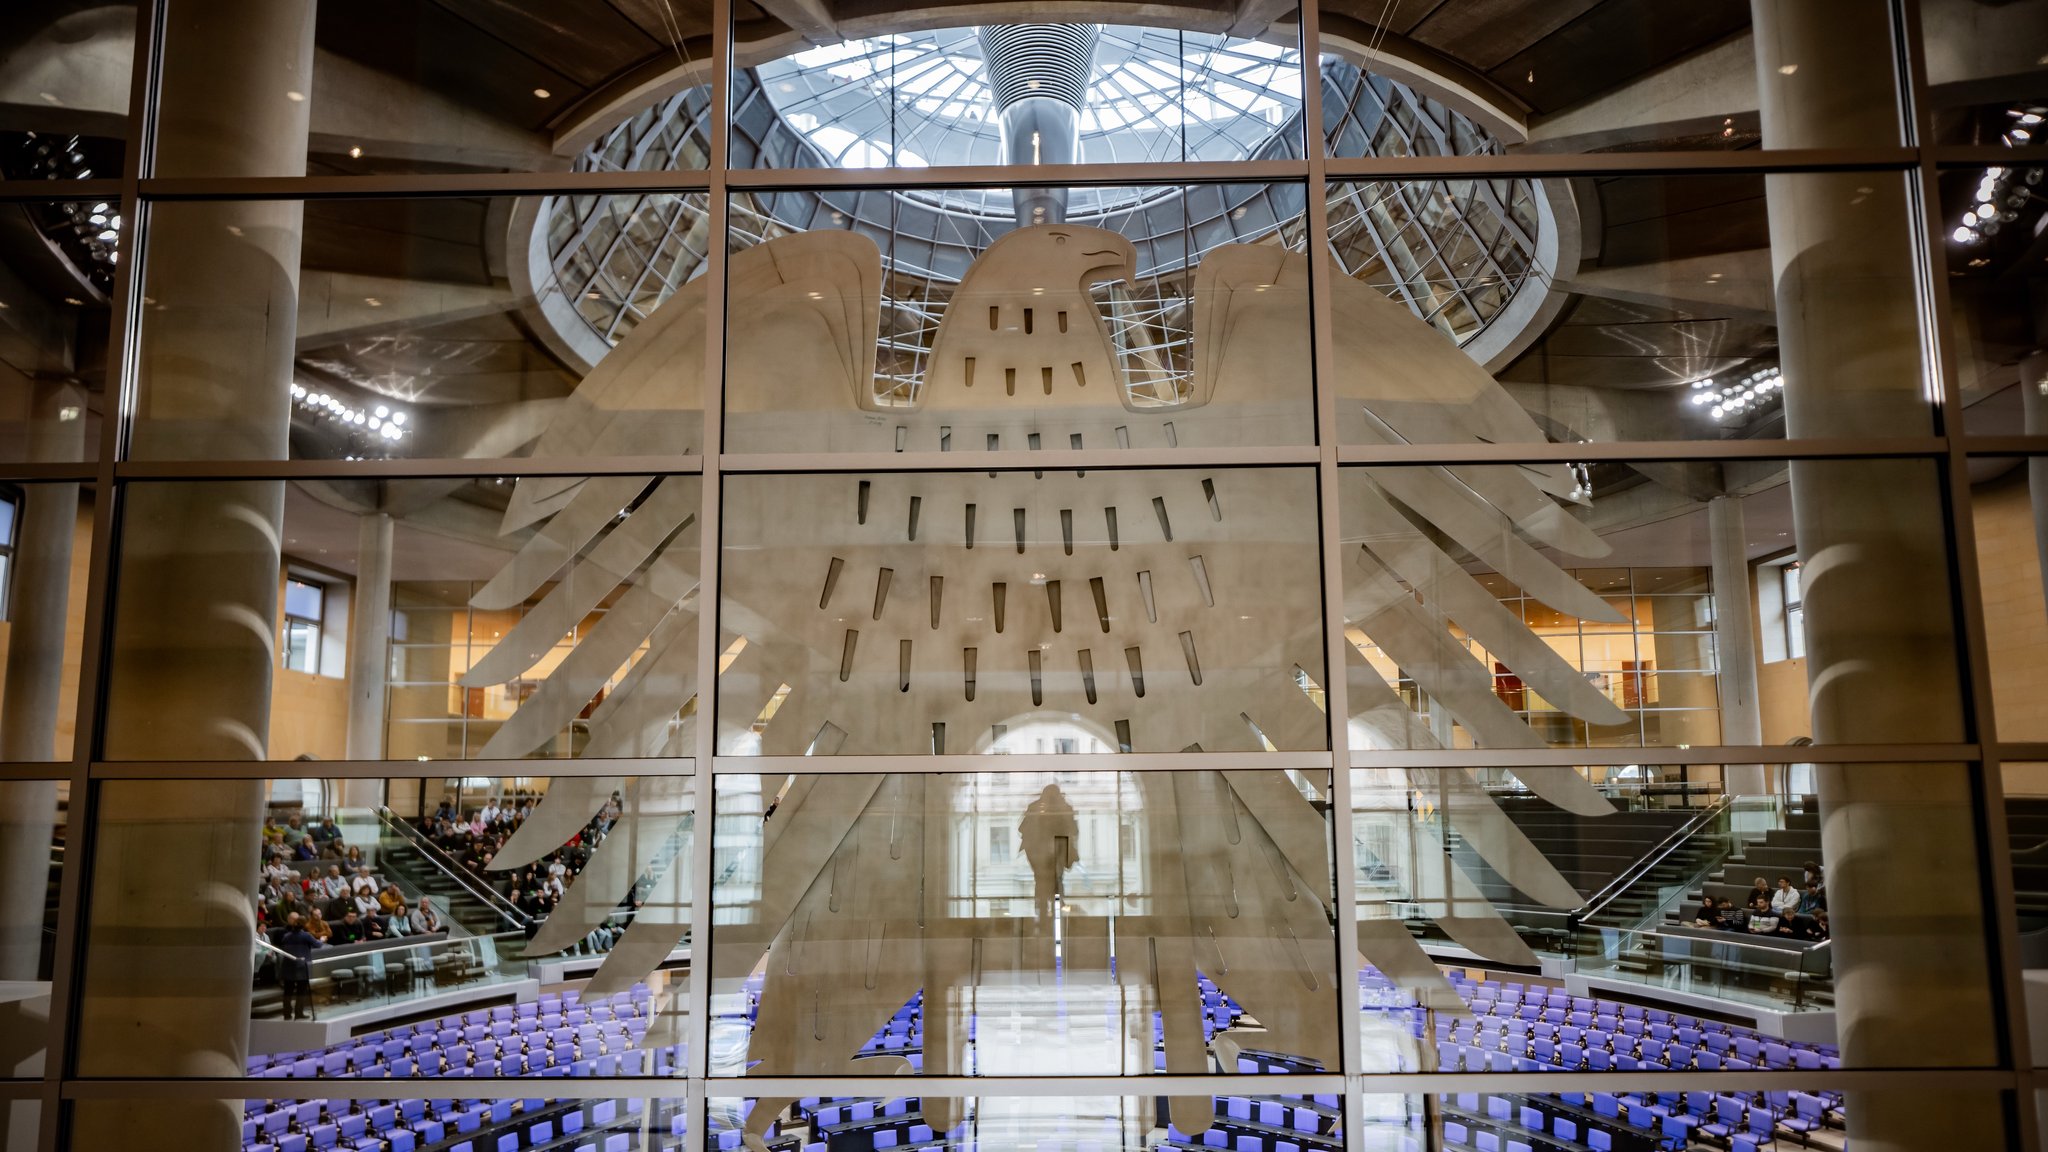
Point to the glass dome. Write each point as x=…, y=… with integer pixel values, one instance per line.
x=920, y=99
x=1455, y=252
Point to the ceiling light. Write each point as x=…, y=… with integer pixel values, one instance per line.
x=541, y=93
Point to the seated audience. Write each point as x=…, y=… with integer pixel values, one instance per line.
x=1813, y=899
x=1763, y=919
x=423, y=919
x=1786, y=899
x=350, y=930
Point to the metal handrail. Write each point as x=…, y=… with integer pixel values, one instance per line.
x=1801, y=957
x=455, y=870
x=1599, y=901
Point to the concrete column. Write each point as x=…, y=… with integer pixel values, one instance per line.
x=29, y=711
x=1742, y=717
x=28, y=817
x=1911, y=971
x=369, y=638
x=40, y=612
x=166, y=985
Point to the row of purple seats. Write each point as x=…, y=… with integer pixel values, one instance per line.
x=475, y=1125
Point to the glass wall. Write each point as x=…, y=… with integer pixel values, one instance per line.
x=1484, y=596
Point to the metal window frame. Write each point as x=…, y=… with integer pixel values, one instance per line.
x=1948, y=450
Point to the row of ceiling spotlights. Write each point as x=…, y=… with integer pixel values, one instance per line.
x=383, y=420
x=2001, y=194
x=1749, y=394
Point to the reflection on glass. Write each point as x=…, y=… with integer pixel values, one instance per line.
x=33, y=824
x=470, y=926
x=45, y=563
x=2026, y=828
x=1987, y=83
x=401, y=88
x=1023, y=94
x=1989, y=216
x=64, y=104
x=1737, y=897
x=2006, y=499
x=428, y=619
x=56, y=286
x=1612, y=78
x=403, y=1123
x=1021, y=612
x=415, y=329
x=1514, y=605
x=1635, y=308
x=1737, y=1118
x=1302, y=1121
x=1022, y=924
x=1053, y=318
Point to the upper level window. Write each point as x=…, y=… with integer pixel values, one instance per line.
x=305, y=606
x=1795, y=615
x=10, y=516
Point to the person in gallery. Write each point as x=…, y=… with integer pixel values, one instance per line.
x=1047, y=837
x=295, y=967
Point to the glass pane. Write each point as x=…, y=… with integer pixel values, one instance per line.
x=616, y=1124
x=512, y=926
x=467, y=327
x=1463, y=78
x=1737, y=894
x=42, y=637
x=486, y=618
x=1476, y=617
x=395, y=87
x=64, y=75
x=2005, y=496
x=1991, y=215
x=301, y=645
x=57, y=263
x=2026, y=829
x=34, y=820
x=1708, y=1114
x=1625, y=308
x=1087, y=1123
x=937, y=320
x=913, y=614
x=912, y=95
x=1023, y=924
x=303, y=600
x=1987, y=81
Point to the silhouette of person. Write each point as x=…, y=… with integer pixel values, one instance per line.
x=1048, y=835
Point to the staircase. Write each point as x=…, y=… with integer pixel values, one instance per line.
x=468, y=900
x=1644, y=897
x=1628, y=866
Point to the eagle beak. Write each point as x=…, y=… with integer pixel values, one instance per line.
x=1117, y=262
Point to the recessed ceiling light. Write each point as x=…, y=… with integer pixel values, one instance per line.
x=541, y=93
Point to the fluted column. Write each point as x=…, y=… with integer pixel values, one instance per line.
x=166, y=987
x=1912, y=982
